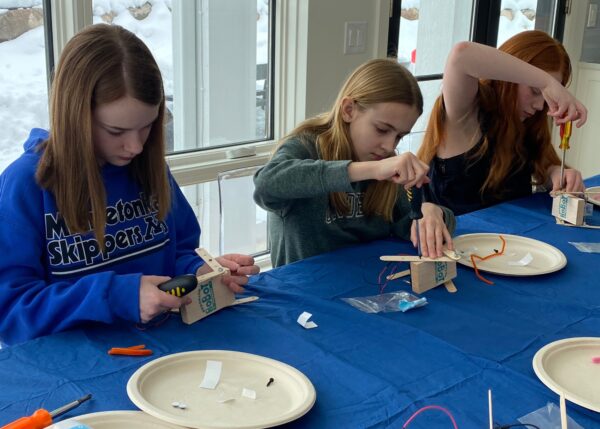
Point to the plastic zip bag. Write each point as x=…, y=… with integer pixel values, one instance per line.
x=587, y=247
x=548, y=417
x=386, y=302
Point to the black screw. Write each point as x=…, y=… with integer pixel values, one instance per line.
x=271, y=380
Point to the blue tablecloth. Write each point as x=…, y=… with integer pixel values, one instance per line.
x=369, y=370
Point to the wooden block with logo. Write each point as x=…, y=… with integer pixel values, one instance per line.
x=569, y=208
x=211, y=295
x=427, y=275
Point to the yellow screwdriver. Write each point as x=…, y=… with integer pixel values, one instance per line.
x=565, y=135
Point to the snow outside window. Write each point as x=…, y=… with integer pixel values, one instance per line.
x=23, y=77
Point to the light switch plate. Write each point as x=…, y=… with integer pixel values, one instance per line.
x=592, y=15
x=355, y=37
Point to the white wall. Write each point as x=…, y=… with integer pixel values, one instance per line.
x=327, y=66
x=583, y=154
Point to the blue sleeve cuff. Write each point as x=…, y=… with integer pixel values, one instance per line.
x=124, y=296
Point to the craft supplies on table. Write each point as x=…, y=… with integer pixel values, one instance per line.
x=238, y=394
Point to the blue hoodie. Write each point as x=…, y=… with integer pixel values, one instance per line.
x=52, y=280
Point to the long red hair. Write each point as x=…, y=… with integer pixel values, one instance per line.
x=516, y=142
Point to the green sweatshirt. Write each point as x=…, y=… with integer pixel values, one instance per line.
x=294, y=188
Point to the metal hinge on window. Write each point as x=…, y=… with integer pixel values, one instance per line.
x=568, y=7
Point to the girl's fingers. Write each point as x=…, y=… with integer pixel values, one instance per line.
x=448, y=238
x=248, y=270
x=582, y=115
x=413, y=233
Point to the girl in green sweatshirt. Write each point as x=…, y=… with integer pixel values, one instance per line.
x=336, y=179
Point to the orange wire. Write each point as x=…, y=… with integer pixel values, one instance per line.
x=485, y=258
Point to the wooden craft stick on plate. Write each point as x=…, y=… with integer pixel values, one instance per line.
x=415, y=258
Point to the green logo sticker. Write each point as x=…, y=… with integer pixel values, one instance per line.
x=441, y=271
x=207, y=298
x=562, y=206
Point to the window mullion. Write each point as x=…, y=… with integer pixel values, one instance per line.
x=186, y=122
x=68, y=17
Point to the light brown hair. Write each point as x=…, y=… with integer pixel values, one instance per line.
x=516, y=142
x=376, y=81
x=100, y=64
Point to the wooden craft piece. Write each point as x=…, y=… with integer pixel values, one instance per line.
x=450, y=287
x=211, y=295
x=569, y=208
x=425, y=276
x=411, y=258
x=451, y=254
x=398, y=275
x=584, y=225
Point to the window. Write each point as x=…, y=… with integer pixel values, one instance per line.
x=498, y=20
x=424, y=51
x=422, y=32
x=517, y=16
x=221, y=98
x=23, y=76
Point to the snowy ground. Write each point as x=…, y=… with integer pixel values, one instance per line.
x=23, y=81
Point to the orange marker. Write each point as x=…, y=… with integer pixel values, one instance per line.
x=140, y=350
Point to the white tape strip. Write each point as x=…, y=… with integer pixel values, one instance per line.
x=525, y=260
x=248, y=393
x=303, y=321
x=212, y=375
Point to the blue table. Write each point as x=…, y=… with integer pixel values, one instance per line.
x=369, y=370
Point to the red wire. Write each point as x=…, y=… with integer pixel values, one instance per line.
x=430, y=407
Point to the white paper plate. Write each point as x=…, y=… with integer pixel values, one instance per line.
x=116, y=420
x=566, y=366
x=546, y=258
x=594, y=198
x=176, y=378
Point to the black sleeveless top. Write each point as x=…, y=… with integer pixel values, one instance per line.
x=456, y=182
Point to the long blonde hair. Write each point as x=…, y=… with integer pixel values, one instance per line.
x=100, y=64
x=499, y=99
x=376, y=81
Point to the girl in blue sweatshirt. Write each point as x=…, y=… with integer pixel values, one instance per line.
x=91, y=220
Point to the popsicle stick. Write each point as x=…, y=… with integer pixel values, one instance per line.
x=563, y=412
x=491, y=416
x=585, y=225
x=451, y=254
x=555, y=193
x=409, y=258
x=398, y=275
x=450, y=287
x=244, y=300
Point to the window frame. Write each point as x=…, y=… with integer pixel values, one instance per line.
x=190, y=167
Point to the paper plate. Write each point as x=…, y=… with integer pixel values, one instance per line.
x=594, y=198
x=116, y=420
x=546, y=258
x=176, y=378
x=566, y=366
